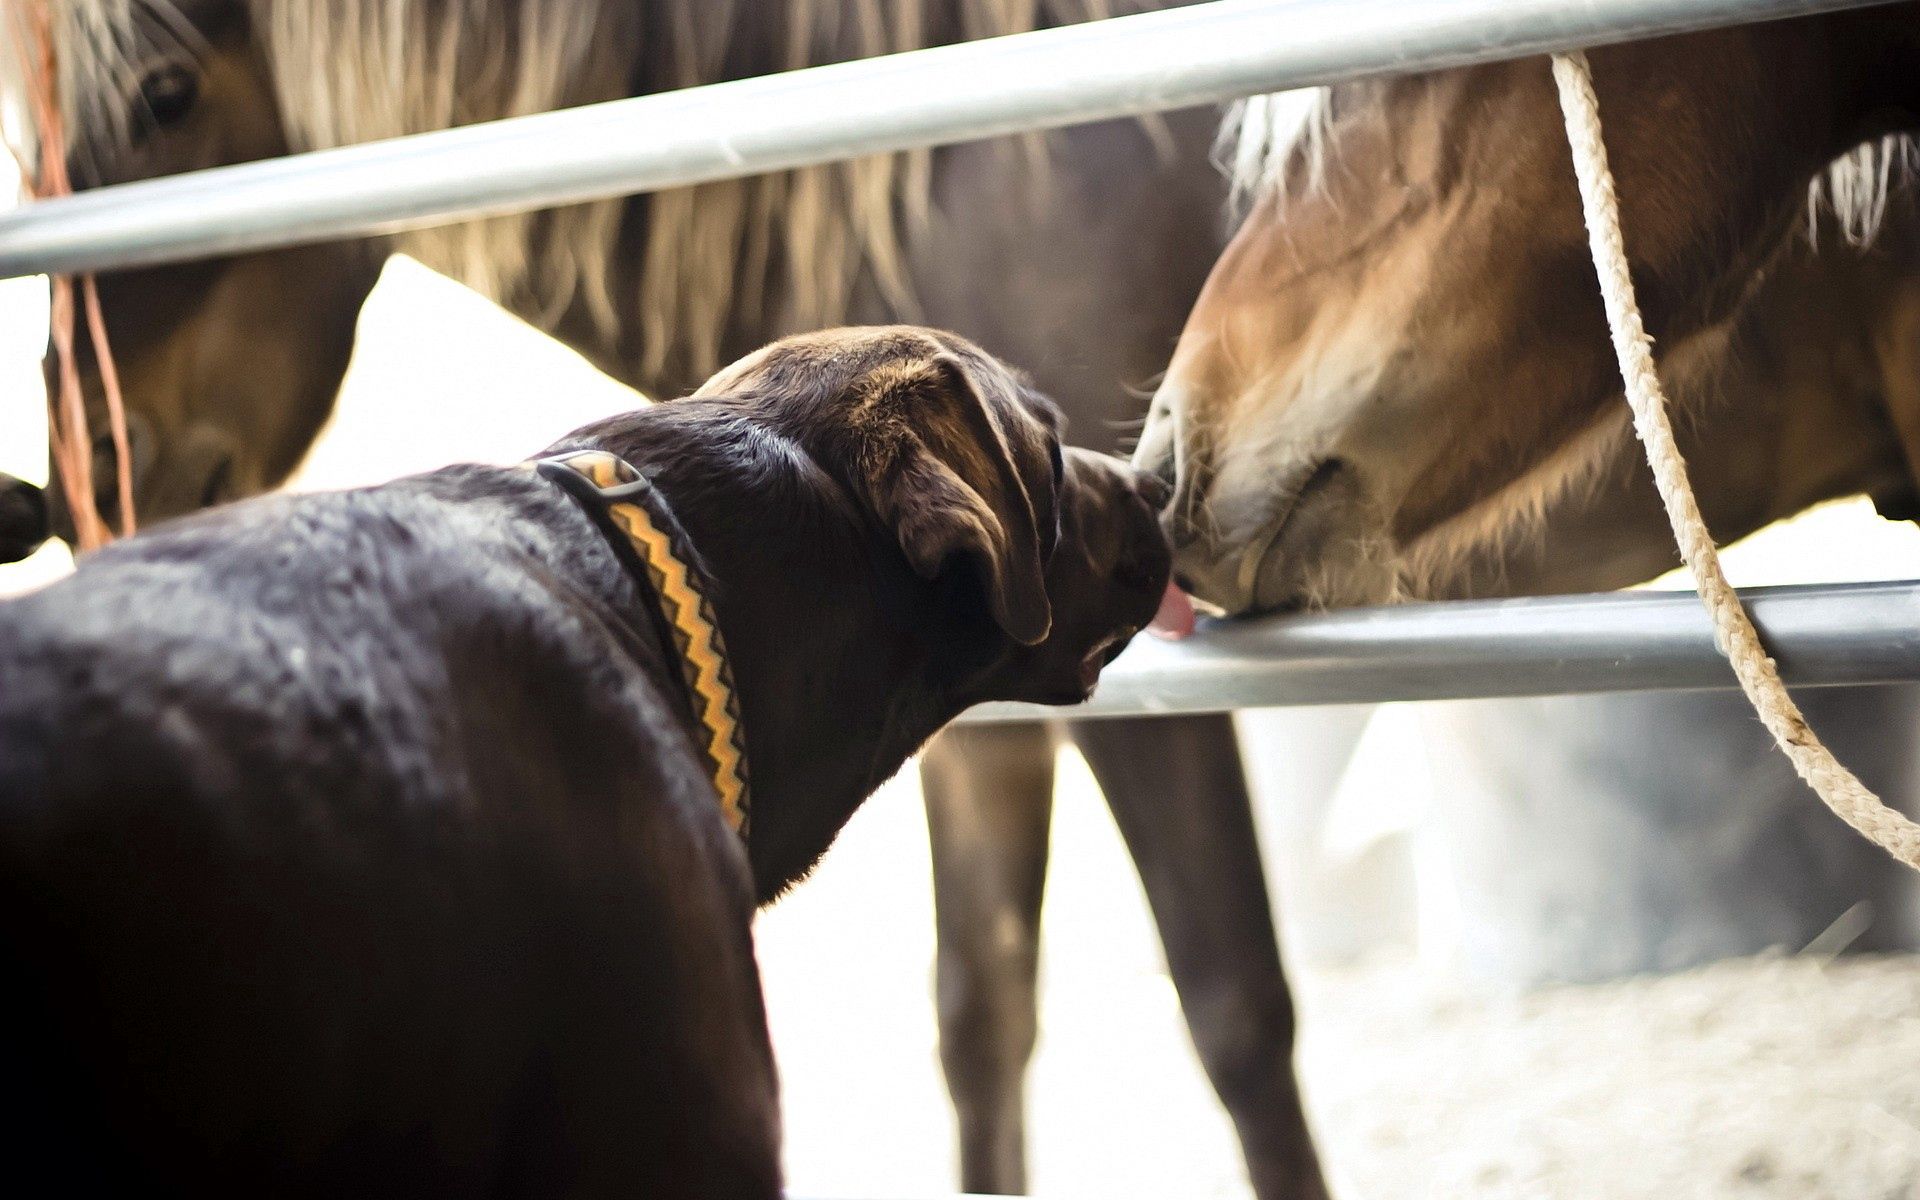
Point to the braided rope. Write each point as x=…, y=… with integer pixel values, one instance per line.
x=1733, y=631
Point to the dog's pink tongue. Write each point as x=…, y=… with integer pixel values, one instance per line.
x=1174, y=621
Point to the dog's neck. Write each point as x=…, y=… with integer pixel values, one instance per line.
x=845, y=662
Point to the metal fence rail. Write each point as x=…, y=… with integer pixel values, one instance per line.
x=1121, y=67
x=1626, y=641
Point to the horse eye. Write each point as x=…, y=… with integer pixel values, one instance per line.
x=167, y=96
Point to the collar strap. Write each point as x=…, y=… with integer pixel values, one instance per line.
x=635, y=516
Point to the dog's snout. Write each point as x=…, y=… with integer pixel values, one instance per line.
x=24, y=521
x=1178, y=520
x=1155, y=489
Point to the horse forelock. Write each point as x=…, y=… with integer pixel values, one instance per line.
x=1272, y=143
x=98, y=49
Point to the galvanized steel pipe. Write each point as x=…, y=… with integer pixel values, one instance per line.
x=1620, y=642
x=1122, y=67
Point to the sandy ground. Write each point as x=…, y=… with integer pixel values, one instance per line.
x=1787, y=1078
x=1779, y=1078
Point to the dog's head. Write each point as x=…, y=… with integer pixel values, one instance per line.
x=894, y=534
x=958, y=459
x=940, y=444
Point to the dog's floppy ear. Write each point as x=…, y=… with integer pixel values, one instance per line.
x=942, y=467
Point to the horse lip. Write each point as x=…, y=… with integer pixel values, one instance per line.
x=1255, y=555
x=1317, y=476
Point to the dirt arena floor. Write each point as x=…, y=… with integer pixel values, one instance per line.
x=1784, y=1078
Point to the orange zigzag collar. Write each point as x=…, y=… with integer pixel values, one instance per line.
x=623, y=502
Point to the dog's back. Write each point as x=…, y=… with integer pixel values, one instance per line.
x=336, y=858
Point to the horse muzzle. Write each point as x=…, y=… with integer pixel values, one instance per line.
x=1309, y=537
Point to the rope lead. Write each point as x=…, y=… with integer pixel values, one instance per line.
x=1838, y=787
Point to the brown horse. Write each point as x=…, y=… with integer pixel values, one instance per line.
x=1076, y=255
x=1401, y=359
x=1398, y=383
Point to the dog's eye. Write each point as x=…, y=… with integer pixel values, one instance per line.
x=167, y=95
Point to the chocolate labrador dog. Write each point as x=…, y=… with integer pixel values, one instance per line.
x=399, y=841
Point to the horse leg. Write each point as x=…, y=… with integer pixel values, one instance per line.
x=1179, y=796
x=989, y=797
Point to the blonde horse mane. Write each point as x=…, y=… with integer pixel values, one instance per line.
x=360, y=70
x=1282, y=143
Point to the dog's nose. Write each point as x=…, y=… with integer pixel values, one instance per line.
x=1155, y=489
x=24, y=523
